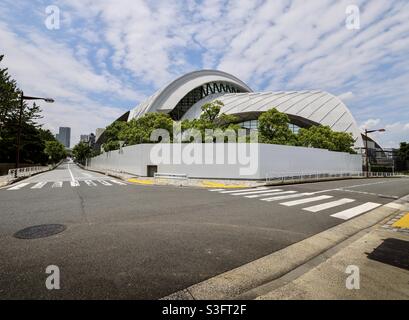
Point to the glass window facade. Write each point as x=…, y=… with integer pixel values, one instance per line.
x=253, y=125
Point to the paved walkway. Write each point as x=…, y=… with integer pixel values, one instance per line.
x=374, y=266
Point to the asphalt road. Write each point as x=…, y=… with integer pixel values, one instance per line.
x=126, y=241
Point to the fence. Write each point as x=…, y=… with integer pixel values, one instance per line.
x=300, y=177
x=26, y=172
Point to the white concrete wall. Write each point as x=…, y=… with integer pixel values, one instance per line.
x=266, y=160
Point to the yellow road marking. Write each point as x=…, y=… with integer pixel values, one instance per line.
x=140, y=181
x=402, y=222
x=211, y=184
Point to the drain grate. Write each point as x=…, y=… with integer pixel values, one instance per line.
x=41, y=231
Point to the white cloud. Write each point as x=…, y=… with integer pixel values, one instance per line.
x=370, y=124
x=272, y=45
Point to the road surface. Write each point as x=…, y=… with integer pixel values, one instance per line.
x=126, y=241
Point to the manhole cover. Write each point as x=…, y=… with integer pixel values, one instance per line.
x=41, y=231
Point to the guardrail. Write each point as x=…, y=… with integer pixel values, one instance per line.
x=26, y=172
x=179, y=176
x=293, y=177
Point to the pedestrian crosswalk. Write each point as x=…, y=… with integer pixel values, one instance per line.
x=309, y=202
x=60, y=184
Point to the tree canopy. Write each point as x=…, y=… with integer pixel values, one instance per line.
x=81, y=152
x=55, y=151
x=274, y=128
x=323, y=137
x=33, y=137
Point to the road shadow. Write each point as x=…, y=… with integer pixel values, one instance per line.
x=394, y=252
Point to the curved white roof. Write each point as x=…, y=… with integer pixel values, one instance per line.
x=166, y=99
x=315, y=106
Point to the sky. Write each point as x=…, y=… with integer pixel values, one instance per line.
x=101, y=58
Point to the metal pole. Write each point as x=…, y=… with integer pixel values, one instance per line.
x=366, y=153
x=19, y=133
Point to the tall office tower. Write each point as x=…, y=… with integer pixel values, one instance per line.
x=64, y=136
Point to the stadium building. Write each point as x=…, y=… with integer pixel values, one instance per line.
x=184, y=97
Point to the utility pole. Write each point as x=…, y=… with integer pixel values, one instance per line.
x=366, y=148
x=20, y=123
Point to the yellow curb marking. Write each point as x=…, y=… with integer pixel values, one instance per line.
x=210, y=184
x=402, y=222
x=139, y=181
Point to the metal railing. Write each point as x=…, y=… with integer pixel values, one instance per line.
x=179, y=176
x=297, y=176
x=26, y=172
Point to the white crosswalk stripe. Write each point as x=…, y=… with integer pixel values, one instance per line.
x=19, y=186
x=105, y=183
x=90, y=183
x=118, y=182
x=279, y=192
x=288, y=194
x=269, y=195
x=244, y=190
x=353, y=212
x=255, y=192
x=39, y=185
x=328, y=205
x=74, y=183
x=306, y=200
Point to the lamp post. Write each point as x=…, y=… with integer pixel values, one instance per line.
x=22, y=98
x=366, y=148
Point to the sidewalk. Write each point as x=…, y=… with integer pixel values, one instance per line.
x=382, y=256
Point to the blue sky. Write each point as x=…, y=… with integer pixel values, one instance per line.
x=107, y=56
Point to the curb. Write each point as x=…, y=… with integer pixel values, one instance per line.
x=18, y=179
x=235, y=282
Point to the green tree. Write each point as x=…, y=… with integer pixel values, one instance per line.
x=403, y=156
x=112, y=135
x=273, y=128
x=139, y=130
x=81, y=152
x=32, y=136
x=324, y=138
x=55, y=151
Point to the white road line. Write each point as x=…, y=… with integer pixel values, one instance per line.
x=39, y=185
x=75, y=183
x=285, y=197
x=255, y=192
x=90, y=183
x=118, y=182
x=328, y=205
x=267, y=194
x=105, y=183
x=306, y=200
x=214, y=190
x=19, y=186
x=395, y=205
x=244, y=190
x=350, y=213
x=57, y=184
x=69, y=170
x=87, y=175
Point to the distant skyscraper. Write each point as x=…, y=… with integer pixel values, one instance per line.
x=64, y=136
x=84, y=138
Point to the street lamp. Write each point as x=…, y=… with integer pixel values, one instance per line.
x=22, y=98
x=366, y=148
